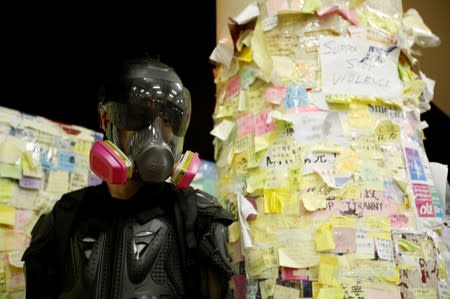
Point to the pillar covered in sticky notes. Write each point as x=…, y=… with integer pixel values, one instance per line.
x=319, y=150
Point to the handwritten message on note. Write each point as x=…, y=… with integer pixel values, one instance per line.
x=354, y=66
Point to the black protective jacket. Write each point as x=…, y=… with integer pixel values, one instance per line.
x=161, y=243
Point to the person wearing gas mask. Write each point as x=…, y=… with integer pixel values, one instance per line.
x=143, y=232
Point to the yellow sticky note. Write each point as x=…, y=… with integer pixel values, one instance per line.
x=267, y=287
x=12, y=171
x=7, y=215
x=348, y=161
x=313, y=201
x=27, y=158
x=246, y=55
x=442, y=267
x=408, y=246
x=58, y=182
x=11, y=240
x=254, y=158
x=261, y=55
x=6, y=190
x=272, y=200
x=315, y=289
x=11, y=150
x=261, y=263
x=242, y=102
x=405, y=72
x=387, y=132
x=227, y=109
x=263, y=142
x=331, y=293
x=302, y=256
x=14, y=258
x=379, y=227
x=311, y=6
x=310, y=181
x=424, y=293
x=351, y=190
x=376, y=223
x=223, y=129
x=82, y=147
x=30, y=168
x=254, y=265
x=413, y=89
x=255, y=180
x=282, y=292
x=239, y=163
x=327, y=269
x=382, y=271
x=244, y=144
x=381, y=21
x=324, y=237
x=255, y=97
x=382, y=291
x=359, y=116
x=401, y=183
x=284, y=68
x=233, y=232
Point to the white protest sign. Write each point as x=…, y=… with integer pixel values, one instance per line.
x=358, y=67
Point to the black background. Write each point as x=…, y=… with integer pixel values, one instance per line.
x=54, y=56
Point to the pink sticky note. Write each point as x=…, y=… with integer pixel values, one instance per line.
x=244, y=124
x=261, y=125
x=289, y=274
x=275, y=94
x=233, y=87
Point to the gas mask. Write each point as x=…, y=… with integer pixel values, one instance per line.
x=148, y=112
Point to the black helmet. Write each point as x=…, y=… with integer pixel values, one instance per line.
x=142, y=89
x=148, y=112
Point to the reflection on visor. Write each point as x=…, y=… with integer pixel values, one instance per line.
x=135, y=104
x=134, y=117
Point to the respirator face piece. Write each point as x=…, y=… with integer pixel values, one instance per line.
x=148, y=113
x=154, y=150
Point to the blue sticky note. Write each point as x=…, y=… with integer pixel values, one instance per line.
x=66, y=161
x=296, y=96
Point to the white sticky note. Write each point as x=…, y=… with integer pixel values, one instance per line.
x=354, y=66
x=223, y=129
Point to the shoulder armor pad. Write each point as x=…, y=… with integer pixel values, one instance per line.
x=70, y=200
x=42, y=235
x=204, y=199
x=208, y=204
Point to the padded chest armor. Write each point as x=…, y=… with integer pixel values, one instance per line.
x=127, y=260
x=90, y=246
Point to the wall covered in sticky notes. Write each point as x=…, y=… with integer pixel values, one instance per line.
x=322, y=160
x=39, y=161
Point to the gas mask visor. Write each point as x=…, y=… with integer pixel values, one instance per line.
x=150, y=127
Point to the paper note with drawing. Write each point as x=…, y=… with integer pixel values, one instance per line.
x=353, y=66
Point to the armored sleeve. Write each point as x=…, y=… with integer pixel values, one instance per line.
x=212, y=223
x=40, y=260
